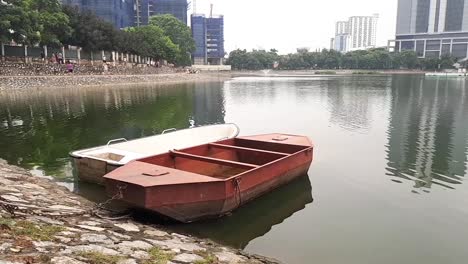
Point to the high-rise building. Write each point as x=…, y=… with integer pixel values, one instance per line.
x=433, y=28
x=363, y=31
x=341, y=27
x=208, y=33
x=342, y=42
x=119, y=13
x=359, y=32
x=144, y=9
x=128, y=13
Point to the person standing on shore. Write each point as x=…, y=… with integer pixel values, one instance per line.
x=70, y=67
x=60, y=58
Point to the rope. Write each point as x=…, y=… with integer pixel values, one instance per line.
x=13, y=209
x=238, y=195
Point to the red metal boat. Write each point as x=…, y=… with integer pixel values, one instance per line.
x=213, y=179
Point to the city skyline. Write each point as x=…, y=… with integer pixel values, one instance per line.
x=287, y=27
x=298, y=24
x=356, y=33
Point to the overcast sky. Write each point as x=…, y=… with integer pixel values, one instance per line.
x=289, y=24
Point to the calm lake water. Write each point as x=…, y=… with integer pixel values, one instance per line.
x=388, y=183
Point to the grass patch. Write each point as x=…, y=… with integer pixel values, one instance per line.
x=208, y=258
x=365, y=72
x=325, y=72
x=6, y=221
x=44, y=259
x=157, y=256
x=94, y=257
x=35, y=231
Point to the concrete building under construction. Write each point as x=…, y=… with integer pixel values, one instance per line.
x=128, y=13
x=119, y=13
x=144, y=9
x=208, y=33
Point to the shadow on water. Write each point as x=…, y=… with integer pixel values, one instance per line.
x=256, y=218
x=428, y=132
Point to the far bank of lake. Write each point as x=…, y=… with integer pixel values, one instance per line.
x=387, y=183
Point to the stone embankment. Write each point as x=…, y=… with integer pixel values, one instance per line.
x=35, y=69
x=73, y=81
x=20, y=76
x=41, y=222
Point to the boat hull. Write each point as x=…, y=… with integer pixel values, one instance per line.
x=189, y=202
x=92, y=170
x=191, y=212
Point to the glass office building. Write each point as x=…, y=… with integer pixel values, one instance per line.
x=144, y=9
x=118, y=12
x=128, y=13
x=208, y=33
x=433, y=28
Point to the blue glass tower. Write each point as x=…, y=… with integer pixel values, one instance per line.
x=118, y=12
x=209, y=39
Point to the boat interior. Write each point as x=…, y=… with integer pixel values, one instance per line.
x=224, y=159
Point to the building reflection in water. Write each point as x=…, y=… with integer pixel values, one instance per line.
x=38, y=130
x=351, y=101
x=208, y=104
x=428, y=132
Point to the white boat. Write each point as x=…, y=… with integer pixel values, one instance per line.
x=93, y=163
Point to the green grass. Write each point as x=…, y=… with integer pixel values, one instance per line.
x=365, y=72
x=98, y=258
x=326, y=72
x=208, y=258
x=35, y=231
x=157, y=256
x=6, y=221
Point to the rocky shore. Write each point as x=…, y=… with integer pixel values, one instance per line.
x=73, y=81
x=41, y=222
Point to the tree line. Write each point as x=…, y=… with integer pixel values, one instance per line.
x=47, y=22
x=378, y=58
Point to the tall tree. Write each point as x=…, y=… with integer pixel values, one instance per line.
x=53, y=23
x=179, y=34
x=150, y=41
x=89, y=31
x=17, y=23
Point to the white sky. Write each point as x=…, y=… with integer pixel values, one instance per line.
x=289, y=24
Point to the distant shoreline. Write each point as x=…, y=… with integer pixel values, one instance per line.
x=73, y=81
x=298, y=73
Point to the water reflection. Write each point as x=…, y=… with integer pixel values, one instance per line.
x=370, y=131
x=39, y=129
x=428, y=132
x=256, y=218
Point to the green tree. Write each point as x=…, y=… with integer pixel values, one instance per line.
x=179, y=33
x=89, y=31
x=447, y=62
x=53, y=24
x=408, y=59
x=150, y=41
x=16, y=23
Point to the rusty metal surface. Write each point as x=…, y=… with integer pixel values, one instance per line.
x=202, y=181
x=214, y=160
x=282, y=139
x=133, y=173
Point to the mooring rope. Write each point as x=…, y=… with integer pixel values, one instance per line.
x=238, y=194
x=15, y=208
